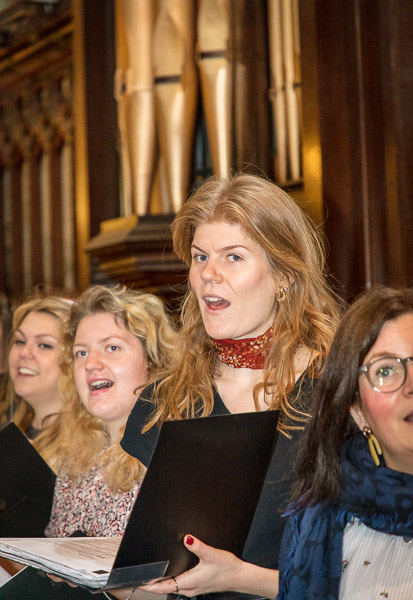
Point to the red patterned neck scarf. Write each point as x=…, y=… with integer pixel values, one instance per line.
x=247, y=353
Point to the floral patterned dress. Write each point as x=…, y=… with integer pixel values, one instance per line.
x=87, y=504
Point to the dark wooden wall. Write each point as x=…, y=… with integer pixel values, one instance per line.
x=101, y=111
x=358, y=88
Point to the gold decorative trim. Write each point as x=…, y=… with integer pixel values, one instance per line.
x=81, y=154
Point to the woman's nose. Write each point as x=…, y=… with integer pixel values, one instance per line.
x=26, y=350
x=93, y=360
x=211, y=271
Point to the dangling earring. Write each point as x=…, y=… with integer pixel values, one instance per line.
x=281, y=295
x=374, y=445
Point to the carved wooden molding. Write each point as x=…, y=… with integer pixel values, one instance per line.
x=138, y=252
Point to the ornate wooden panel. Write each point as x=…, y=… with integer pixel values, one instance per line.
x=36, y=148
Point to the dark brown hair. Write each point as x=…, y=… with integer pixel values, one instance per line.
x=336, y=392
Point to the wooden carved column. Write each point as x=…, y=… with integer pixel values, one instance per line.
x=37, y=187
x=36, y=149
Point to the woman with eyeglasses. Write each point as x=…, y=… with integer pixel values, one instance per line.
x=350, y=532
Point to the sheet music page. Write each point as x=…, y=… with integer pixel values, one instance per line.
x=4, y=576
x=81, y=560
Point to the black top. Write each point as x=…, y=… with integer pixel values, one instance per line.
x=263, y=543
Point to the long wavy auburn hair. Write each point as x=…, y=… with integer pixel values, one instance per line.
x=336, y=391
x=81, y=439
x=308, y=317
x=12, y=404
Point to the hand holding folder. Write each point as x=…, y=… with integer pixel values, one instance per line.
x=204, y=478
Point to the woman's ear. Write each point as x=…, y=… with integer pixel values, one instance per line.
x=358, y=417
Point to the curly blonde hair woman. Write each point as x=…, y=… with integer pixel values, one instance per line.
x=113, y=339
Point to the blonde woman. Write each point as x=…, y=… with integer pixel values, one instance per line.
x=114, y=339
x=32, y=397
x=257, y=322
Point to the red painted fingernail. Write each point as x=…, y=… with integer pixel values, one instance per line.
x=189, y=540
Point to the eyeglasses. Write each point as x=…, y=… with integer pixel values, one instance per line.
x=387, y=373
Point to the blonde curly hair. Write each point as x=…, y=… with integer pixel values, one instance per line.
x=80, y=439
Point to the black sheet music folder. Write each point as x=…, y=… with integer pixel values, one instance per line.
x=26, y=486
x=205, y=478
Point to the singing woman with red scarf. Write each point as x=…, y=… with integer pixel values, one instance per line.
x=257, y=321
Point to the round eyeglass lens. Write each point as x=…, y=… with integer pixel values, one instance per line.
x=387, y=374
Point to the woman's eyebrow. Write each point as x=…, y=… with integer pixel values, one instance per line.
x=102, y=340
x=223, y=249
